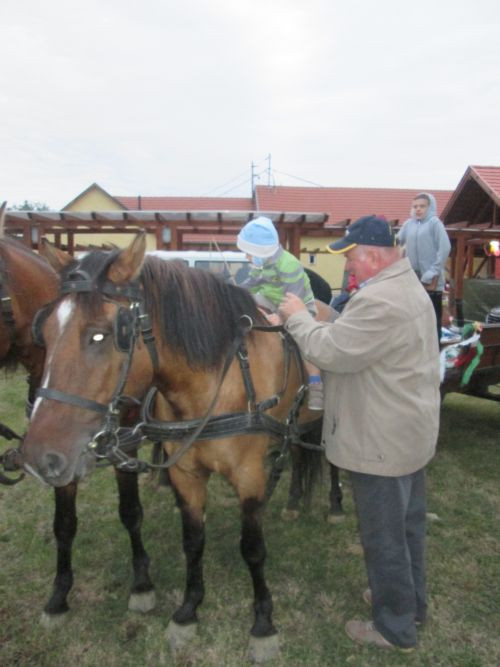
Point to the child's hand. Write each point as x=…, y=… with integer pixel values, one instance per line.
x=291, y=304
x=274, y=319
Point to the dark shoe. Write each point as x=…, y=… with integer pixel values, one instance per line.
x=364, y=632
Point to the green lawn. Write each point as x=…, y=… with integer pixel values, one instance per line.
x=314, y=569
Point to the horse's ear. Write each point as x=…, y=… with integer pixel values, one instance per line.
x=128, y=263
x=58, y=259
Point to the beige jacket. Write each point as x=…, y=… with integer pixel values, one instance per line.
x=380, y=368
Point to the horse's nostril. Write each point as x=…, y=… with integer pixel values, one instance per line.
x=53, y=464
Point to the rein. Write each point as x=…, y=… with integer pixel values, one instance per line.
x=254, y=420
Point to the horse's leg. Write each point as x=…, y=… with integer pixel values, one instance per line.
x=142, y=597
x=296, y=490
x=264, y=642
x=190, y=490
x=65, y=523
x=336, y=513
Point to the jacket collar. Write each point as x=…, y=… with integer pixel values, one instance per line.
x=397, y=268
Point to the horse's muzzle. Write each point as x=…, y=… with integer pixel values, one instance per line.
x=53, y=468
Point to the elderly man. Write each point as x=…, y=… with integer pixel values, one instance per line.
x=380, y=367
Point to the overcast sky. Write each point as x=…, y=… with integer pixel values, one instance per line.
x=179, y=97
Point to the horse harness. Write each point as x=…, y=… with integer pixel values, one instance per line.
x=113, y=442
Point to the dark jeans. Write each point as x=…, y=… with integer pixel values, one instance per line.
x=392, y=516
x=437, y=302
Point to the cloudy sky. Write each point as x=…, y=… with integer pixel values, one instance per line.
x=179, y=97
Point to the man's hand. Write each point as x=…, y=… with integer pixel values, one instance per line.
x=290, y=305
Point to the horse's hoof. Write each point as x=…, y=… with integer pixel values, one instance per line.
x=335, y=518
x=289, y=515
x=51, y=621
x=180, y=635
x=142, y=602
x=262, y=649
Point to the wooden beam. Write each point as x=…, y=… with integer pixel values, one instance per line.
x=478, y=217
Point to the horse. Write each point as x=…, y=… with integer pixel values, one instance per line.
x=206, y=355
x=27, y=283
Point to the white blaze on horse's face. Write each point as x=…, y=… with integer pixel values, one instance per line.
x=63, y=314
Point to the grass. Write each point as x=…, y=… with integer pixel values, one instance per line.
x=314, y=569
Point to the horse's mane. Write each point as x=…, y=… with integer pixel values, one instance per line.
x=198, y=313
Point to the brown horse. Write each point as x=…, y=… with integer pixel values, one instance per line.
x=196, y=319
x=28, y=282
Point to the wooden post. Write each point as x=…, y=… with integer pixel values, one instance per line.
x=27, y=227
x=159, y=236
x=470, y=260
x=459, y=280
x=174, y=236
x=295, y=241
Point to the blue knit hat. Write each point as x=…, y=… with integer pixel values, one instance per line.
x=258, y=238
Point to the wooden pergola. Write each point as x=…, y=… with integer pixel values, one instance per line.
x=472, y=220
x=173, y=230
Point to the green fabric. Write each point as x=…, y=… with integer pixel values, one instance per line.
x=469, y=330
x=282, y=274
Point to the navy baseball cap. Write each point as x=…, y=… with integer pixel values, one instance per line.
x=368, y=230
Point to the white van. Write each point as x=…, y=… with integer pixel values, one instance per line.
x=225, y=262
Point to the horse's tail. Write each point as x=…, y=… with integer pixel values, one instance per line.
x=307, y=466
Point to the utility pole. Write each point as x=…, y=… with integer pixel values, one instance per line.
x=252, y=166
x=268, y=169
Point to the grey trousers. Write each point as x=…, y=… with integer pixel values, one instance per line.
x=392, y=523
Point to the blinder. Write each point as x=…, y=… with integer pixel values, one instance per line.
x=37, y=324
x=124, y=329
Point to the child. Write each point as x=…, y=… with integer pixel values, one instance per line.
x=275, y=272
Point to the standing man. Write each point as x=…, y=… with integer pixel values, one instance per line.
x=427, y=246
x=380, y=368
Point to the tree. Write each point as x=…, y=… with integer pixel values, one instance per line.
x=30, y=206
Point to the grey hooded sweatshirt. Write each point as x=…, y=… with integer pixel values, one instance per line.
x=427, y=245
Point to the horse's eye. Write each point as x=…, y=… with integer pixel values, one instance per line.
x=97, y=338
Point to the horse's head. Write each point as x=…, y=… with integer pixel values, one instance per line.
x=27, y=282
x=88, y=333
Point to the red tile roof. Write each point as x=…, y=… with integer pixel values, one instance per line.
x=187, y=203
x=344, y=203
x=489, y=177
x=469, y=203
